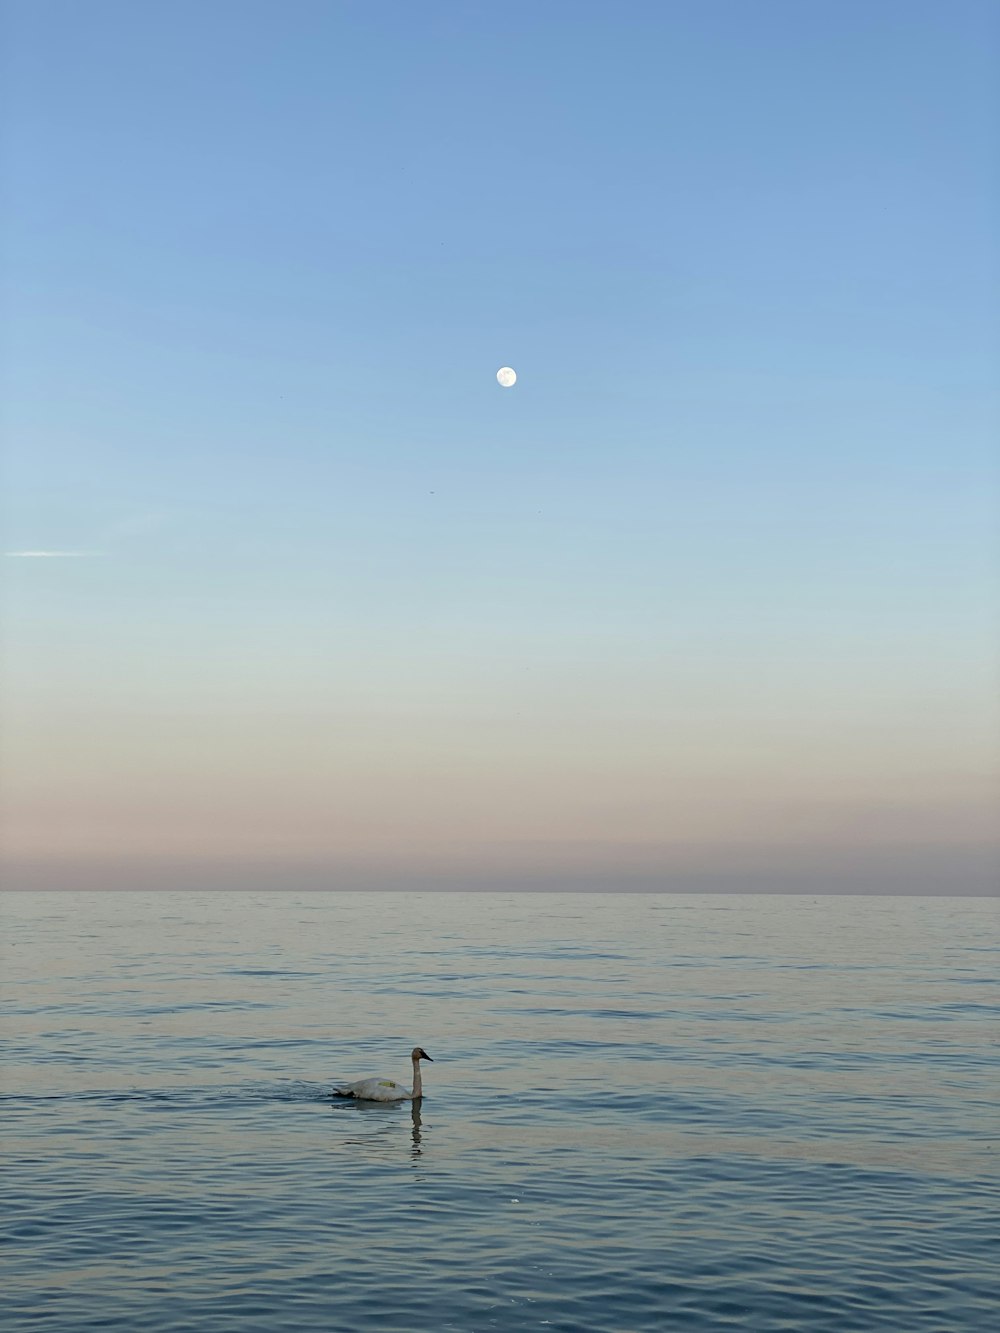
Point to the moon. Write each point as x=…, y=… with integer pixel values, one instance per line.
x=506, y=377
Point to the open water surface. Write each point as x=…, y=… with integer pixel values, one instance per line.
x=645, y=1113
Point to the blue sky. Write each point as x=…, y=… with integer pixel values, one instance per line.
x=707, y=599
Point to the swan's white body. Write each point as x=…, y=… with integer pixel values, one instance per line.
x=384, y=1089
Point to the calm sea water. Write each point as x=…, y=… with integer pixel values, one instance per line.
x=645, y=1112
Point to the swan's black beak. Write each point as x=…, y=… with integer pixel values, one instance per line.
x=424, y=1055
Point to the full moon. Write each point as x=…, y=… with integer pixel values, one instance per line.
x=506, y=377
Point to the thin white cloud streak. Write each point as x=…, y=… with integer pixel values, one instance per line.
x=49, y=555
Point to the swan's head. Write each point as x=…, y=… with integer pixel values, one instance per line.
x=418, y=1053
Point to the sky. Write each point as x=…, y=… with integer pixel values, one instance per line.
x=295, y=595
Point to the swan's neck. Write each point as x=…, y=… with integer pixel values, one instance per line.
x=418, y=1090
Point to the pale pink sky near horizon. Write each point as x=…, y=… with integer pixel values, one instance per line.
x=613, y=776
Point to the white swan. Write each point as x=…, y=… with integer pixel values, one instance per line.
x=383, y=1089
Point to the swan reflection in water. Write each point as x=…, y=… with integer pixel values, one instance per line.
x=415, y=1150
x=384, y=1141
